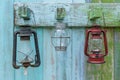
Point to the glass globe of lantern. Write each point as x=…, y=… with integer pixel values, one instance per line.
x=25, y=51
x=96, y=45
x=60, y=37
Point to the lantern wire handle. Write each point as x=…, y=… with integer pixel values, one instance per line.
x=34, y=17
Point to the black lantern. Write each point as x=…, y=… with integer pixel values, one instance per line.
x=25, y=59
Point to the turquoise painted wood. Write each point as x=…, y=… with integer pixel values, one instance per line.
x=32, y=73
x=69, y=65
x=6, y=40
x=78, y=58
x=77, y=14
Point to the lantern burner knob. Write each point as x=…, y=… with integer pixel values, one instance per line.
x=26, y=62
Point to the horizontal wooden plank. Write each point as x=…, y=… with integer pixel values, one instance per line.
x=77, y=14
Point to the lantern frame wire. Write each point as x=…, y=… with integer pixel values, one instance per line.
x=98, y=57
x=26, y=32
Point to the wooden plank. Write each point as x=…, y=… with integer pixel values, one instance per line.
x=33, y=73
x=77, y=14
x=57, y=1
x=78, y=58
x=106, y=70
x=56, y=64
x=68, y=59
x=6, y=36
x=103, y=71
x=49, y=57
x=108, y=1
x=78, y=1
x=37, y=73
x=117, y=1
x=103, y=1
x=87, y=1
x=26, y=1
x=116, y=53
x=63, y=65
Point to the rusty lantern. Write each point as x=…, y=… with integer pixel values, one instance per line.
x=96, y=45
x=22, y=56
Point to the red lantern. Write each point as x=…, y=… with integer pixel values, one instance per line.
x=96, y=45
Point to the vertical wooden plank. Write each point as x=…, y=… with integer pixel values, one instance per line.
x=49, y=57
x=68, y=59
x=33, y=73
x=60, y=68
x=6, y=36
x=63, y=62
x=116, y=53
x=106, y=70
x=78, y=58
x=57, y=65
x=37, y=73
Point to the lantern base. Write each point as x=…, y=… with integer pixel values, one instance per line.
x=26, y=64
x=96, y=59
x=62, y=48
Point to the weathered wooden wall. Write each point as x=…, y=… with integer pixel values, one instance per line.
x=70, y=65
x=77, y=14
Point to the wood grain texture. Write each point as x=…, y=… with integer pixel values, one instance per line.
x=33, y=73
x=49, y=57
x=77, y=14
x=57, y=1
x=116, y=53
x=6, y=40
x=78, y=1
x=106, y=70
x=27, y=1
x=69, y=65
x=102, y=1
x=78, y=58
x=117, y=1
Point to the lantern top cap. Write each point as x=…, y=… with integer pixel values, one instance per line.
x=60, y=25
x=95, y=25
